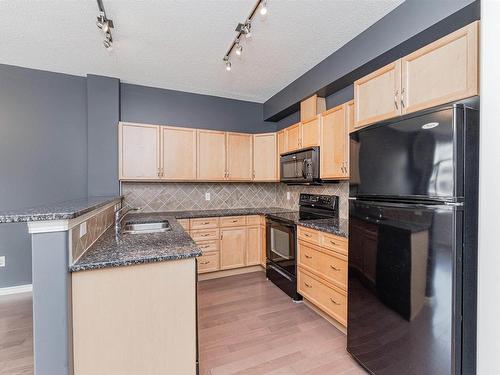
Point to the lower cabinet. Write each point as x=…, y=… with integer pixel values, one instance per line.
x=208, y=262
x=232, y=247
x=253, y=245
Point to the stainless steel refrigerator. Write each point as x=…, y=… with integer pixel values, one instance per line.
x=413, y=243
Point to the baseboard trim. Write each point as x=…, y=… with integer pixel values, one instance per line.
x=226, y=273
x=325, y=316
x=16, y=289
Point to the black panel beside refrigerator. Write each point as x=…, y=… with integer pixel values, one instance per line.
x=413, y=243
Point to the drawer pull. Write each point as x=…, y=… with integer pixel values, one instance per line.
x=205, y=223
x=205, y=235
x=333, y=242
x=333, y=268
x=308, y=256
x=234, y=221
x=335, y=302
x=205, y=262
x=307, y=235
x=306, y=284
x=204, y=246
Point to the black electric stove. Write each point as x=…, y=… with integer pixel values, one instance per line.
x=281, y=235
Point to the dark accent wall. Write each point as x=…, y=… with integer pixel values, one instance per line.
x=176, y=108
x=410, y=26
x=43, y=153
x=103, y=114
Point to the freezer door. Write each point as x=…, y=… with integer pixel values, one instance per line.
x=417, y=157
x=404, y=288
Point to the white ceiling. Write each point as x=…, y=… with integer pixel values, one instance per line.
x=179, y=44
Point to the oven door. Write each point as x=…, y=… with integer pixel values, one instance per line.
x=281, y=245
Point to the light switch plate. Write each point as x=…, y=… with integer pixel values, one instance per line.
x=288, y=196
x=207, y=196
x=2, y=261
x=83, y=229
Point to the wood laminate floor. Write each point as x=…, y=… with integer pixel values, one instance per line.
x=246, y=326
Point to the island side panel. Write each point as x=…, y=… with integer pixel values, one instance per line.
x=138, y=319
x=51, y=304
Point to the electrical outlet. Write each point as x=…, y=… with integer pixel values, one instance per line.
x=288, y=196
x=83, y=229
x=207, y=196
x=2, y=261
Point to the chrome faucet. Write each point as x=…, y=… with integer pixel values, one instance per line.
x=119, y=216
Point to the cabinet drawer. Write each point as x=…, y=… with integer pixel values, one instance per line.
x=324, y=263
x=184, y=223
x=329, y=299
x=333, y=242
x=308, y=235
x=206, y=246
x=204, y=223
x=208, y=262
x=233, y=221
x=205, y=234
x=253, y=220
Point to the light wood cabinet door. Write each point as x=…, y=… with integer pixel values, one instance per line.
x=211, y=155
x=178, y=153
x=254, y=243
x=263, y=245
x=334, y=143
x=443, y=71
x=239, y=156
x=350, y=115
x=311, y=106
x=139, y=151
x=310, y=133
x=293, y=136
x=377, y=96
x=233, y=247
x=282, y=146
x=265, y=163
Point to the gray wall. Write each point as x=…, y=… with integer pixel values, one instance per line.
x=159, y=106
x=103, y=114
x=43, y=153
x=386, y=37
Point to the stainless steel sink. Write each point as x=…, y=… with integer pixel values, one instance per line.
x=152, y=227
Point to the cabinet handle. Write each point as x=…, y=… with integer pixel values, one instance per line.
x=308, y=256
x=333, y=268
x=206, y=262
x=205, y=223
x=335, y=302
x=307, y=235
x=234, y=221
x=205, y=235
x=158, y=173
x=204, y=246
x=333, y=243
x=396, y=99
x=306, y=284
x=403, y=98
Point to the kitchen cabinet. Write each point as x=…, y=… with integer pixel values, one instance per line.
x=376, y=96
x=263, y=242
x=282, y=145
x=139, y=150
x=293, y=134
x=233, y=247
x=334, y=153
x=265, y=163
x=208, y=262
x=441, y=72
x=310, y=107
x=254, y=244
x=211, y=155
x=239, y=156
x=350, y=115
x=178, y=153
x=310, y=132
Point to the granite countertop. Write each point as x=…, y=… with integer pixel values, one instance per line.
x=338, y=227
x=112, y=250
x=57, y=211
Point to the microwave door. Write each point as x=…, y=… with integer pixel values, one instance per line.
x=289, y=169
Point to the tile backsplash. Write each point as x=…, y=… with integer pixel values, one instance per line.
x=171, y=196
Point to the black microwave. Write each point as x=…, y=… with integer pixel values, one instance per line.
x=300, y=167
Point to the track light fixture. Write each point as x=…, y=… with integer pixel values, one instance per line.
x=244, y=28
x=105, y=25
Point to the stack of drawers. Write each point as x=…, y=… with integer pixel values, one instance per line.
x=227, y=242
x=322, y=271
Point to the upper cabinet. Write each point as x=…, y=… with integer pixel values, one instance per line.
x=282, y=146
x=178, y=153
x=441, y=72
x=139, y=150
x=376, y=96
x=293, y=136
x=310, y=132
x=334, y=153
x=350, y=115
x=265, y=157
x=239, y=156
x=310, y=107
x=211, y=155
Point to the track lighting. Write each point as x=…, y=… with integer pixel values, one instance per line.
x=243, y=28
x=105, y=25
x=108, y=42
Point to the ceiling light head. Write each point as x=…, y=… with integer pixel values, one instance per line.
x=108, y=41
x=227, y=63
x=247, y=30
x=239, y=48
x=263, y=8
